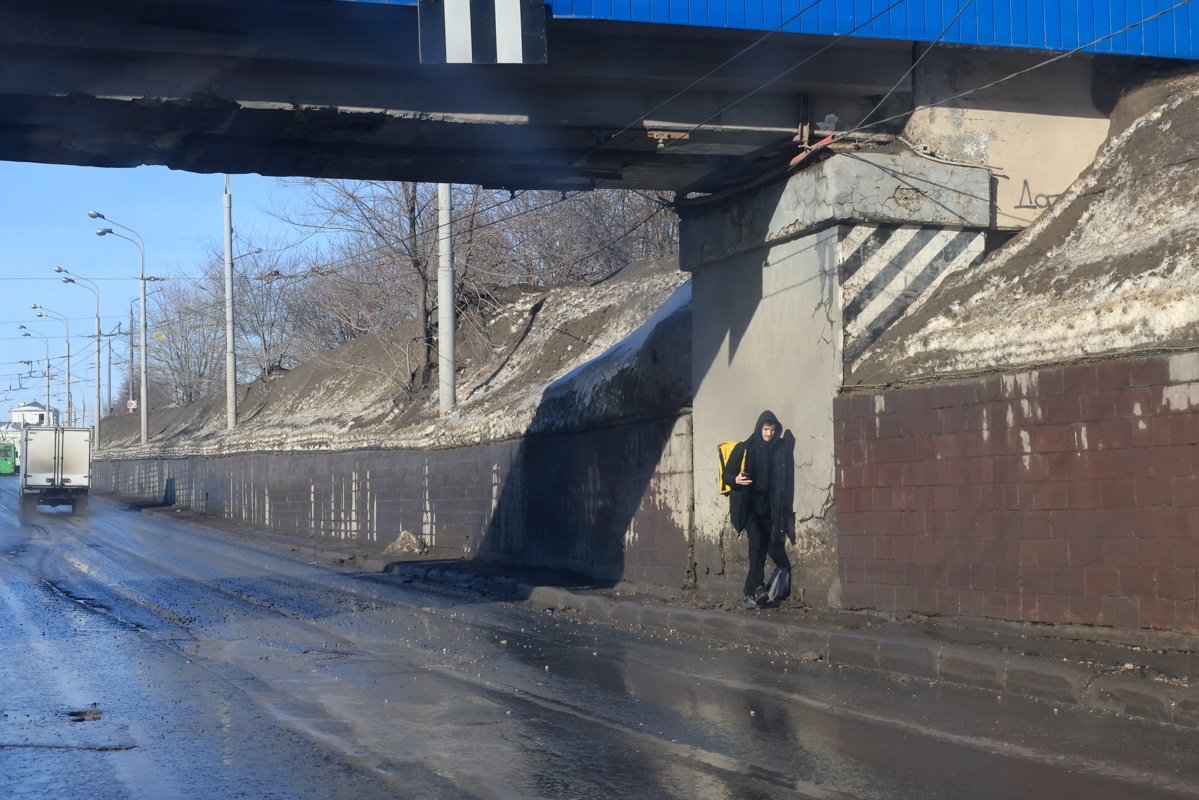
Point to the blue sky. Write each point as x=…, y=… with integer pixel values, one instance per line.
x=44, y=223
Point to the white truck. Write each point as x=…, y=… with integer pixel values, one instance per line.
x=56, y=467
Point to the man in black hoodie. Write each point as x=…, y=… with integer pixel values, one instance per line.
x=759, y=499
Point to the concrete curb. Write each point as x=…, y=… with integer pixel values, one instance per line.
x=1042, y=678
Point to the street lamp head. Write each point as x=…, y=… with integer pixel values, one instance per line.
x=22, y=327
x=34, y=305
x=103, y=231
x=59, y=269
x=40, y=314
x=95, y=215
x=24, y=333
x=68, y=280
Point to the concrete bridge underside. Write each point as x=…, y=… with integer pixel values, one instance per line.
x=322, y=89
x=794, y=279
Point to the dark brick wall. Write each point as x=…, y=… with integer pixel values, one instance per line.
x=1068, y=494
x=612, y=503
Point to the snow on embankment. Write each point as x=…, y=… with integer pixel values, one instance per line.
x=1110, y=268
x=612, y=352
x=648, y=372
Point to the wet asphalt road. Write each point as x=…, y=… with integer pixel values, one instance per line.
x=142, y=657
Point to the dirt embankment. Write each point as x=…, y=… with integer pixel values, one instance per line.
x=538, y=360
x=1110, y=268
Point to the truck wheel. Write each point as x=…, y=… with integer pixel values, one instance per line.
x=80, y=506
x=28, y=504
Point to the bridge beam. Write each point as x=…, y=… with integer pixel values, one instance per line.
x=790, y=285
x=329, y=89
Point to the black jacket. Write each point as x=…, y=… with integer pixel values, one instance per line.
x=769, y=467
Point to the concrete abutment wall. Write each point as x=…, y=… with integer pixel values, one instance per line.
x=790, y=284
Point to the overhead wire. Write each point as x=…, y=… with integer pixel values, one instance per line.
x=786, y=72
x=739, y=54
x=339, y=264
x=328, y=265
x=944, y=32
x=1018, y=73
x=644, y=117
x=866, y=125
x=332, y=265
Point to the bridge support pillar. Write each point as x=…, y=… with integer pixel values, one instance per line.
x=790, y=285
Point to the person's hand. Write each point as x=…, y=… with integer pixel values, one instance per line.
x=742, y=479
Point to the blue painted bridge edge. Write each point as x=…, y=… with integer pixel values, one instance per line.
x=1096, y=26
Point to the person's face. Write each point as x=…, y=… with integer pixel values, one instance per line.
x=769, y=430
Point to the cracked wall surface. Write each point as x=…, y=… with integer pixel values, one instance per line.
x=878, y=188
x=770, y=318
x=1038, y=131
x=769, y=337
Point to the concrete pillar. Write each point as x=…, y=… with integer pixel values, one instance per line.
x=790, y=285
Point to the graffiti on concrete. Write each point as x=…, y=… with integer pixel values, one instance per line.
x=1040, y=200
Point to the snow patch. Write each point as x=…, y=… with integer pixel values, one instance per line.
x=1111, y=266
x=585, y=379
x=360, y=395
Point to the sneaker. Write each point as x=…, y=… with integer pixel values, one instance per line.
x=751, y=601
x=761, y=596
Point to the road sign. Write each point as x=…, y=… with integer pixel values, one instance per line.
x=130, y=404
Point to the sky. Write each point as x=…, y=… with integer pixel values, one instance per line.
x=44, y=223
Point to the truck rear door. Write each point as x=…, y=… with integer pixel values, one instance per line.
x=38, y=468
x=75, y=462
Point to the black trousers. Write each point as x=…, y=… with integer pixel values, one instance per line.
x=761, y=544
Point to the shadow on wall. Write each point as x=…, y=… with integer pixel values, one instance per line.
x=770, y=337
x=601, y=486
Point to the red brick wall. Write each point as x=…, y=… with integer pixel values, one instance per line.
x=1068, y=494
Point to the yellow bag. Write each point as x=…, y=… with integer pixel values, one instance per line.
x=724, y=450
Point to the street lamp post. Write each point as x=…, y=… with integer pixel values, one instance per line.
x=141, y=248
x=447, y=392
x=94, y=289
x=108, y=396
x=30, y=334
x=230, y=349
x=230, y=352
x=132, y=355
x=42, y=311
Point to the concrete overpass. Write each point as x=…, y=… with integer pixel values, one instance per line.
x=335, y=89
x=796, y=273
x=327, y=88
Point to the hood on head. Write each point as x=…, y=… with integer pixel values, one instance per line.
x=763, y=418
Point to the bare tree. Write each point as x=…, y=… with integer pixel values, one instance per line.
x=187, y=348
x=265, y=322
x=545, y=238
x=381, y=265
x=375, y=271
